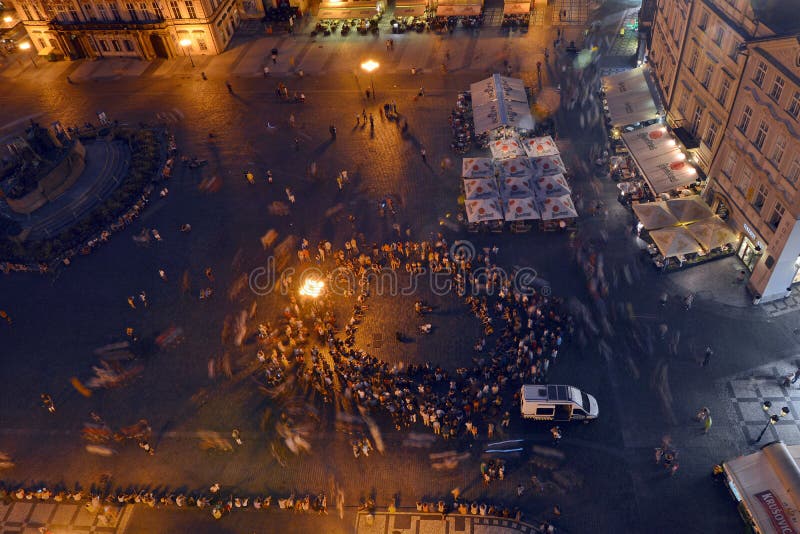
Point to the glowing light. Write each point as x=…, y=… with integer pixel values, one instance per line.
x=7, y=19
x=671, y=142
x=370, y=65
x=692, y=170
x=681, y=156
x=312, y=288
x=25, y=46
x=185, y=42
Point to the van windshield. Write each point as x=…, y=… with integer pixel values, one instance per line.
x=585, y=402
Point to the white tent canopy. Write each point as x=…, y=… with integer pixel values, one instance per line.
x=689, y=209
x=548, y=165
x=674, y=241
x=668, y=171
x=515, y=187
x=510, y=147
x=557, y=208
x=500, y=101
x=554, y=185
x=654, y=215
x=483, y=210
x=649, y=142
x=520, y=209
x=540, y=146
x=478, y=188
x=477, y=168
x=712, y=232
x=629, y=97
x=518, y=166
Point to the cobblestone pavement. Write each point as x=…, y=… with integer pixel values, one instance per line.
x=411, y=523
x=606, y=480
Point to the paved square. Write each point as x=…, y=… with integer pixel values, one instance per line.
x=64, y=514
x=19, y=512
x=42, y=512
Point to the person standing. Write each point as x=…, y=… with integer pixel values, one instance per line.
x=236, y=435
x=371, y=121
x=556, y=433
x=707, y=358
x=707, y=422
x=424, y=154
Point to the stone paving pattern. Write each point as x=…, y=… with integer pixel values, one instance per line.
x=61, y=518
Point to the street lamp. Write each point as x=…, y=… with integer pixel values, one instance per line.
x=370, y=66
x=25, y=47
x=772, y=418
x=186, y=44
x=7, y=19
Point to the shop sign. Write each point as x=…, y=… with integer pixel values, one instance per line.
x=777, y=515
x=749, y=231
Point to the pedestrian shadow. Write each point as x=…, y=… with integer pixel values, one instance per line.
x=322, y=148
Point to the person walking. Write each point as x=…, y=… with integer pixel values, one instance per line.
x=707, y=422
x=796, y=376
x=371, y=121
x=47, y=402
x=229, y=86
x=236, y=435
x=332, y=130
x=424, y=154
x=707, y=358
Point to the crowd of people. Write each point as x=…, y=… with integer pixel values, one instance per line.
x=527, y=329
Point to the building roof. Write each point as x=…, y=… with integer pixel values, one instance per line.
x=779, y=16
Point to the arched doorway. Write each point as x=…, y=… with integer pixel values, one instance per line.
x=159, y=47
x=79, y=51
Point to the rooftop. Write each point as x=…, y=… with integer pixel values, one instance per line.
x=780, y=16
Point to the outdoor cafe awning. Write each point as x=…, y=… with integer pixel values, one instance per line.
x=459, y=10
x=412, y=10
x=654, y=215
x=483, y=210
x=656, y=153
x=649, y=142
x=334, y=11
x=712, y=233
x=675, y=241
x=516, y=8
x=629, y=97
x=520, y=209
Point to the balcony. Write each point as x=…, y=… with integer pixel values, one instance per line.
x=152, y=23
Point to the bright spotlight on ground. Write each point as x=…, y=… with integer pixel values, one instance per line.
x=312, y=288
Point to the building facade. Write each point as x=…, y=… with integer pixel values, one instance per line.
x=729, y=76
x=146, y=30
x=755, y=177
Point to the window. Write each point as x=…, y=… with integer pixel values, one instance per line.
x=794, y=171
x=761, y=71
x=143, y=9
x=718, y=37
x=683, y=103
x=736, y=47
x=693, y=60
x=711, y=134
x=114, y=11
x=102, y=10
x=778, y=150
x=103, y=45
x=128, y=45
x=132, y=12
x=707, y=76
x=74, y=15
x=730, y=165
x=698, y=115
x=794, y=107
x=744, y=181
x=545, y=410
x=115, y=44
x=201, y=44
x=761, y=136
x=761, y=197
x=777, y=215
x=190, y=9
x=42, y=43
x=777, y=88
x=157, y=10
x=744, y=119
x=703, y=21
x=88, y=12
x=27, y=12
x=176, y=11
x=724, y=89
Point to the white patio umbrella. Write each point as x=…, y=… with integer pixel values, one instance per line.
x=654, y=215
x=553, y=185
x=476, y=188
x=540, y=146
x=507, y=148
x=515, y=186
x=520, y=209
x=675, y=241
x=483, y=210
x=477, y=168
x=557, y=208
x=548, y=165
x=518, y=166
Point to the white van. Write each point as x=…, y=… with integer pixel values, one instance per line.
x=557, y=403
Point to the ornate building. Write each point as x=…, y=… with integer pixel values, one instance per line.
x=729, y=76
x=147, y=30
